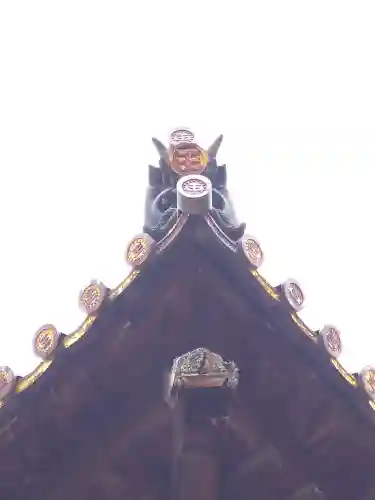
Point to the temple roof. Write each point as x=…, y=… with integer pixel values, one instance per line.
x=246, y=255
x=234, y=261
x=191, y=284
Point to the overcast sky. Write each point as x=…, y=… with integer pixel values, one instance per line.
x=85, y=84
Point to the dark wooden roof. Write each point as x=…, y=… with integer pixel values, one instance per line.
x=92, y=423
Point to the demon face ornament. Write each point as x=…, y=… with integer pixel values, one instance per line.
x=185, y=156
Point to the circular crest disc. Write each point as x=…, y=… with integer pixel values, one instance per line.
x=367, y=376
x=252, y=251
x=7, y=381
x=332, y=340
x=46, y=340
x=92, y=297
x=293, y=294
x=181, y=136
x=194, y=194
x=188, y=158
x=139, y=249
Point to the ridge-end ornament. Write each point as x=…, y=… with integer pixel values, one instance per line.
x=185, y=155
x=92, y=297
x=139, y=249
x=367, y=378
x=194, y=194
x=252, y=251
x=293, y=293
x=331, y=338
x=46, y=340
x=7, y=381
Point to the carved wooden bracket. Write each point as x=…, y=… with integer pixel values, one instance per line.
x=200, y=370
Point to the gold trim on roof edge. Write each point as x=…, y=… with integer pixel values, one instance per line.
x=306, y=330
x=266, y=286
x=29, y=379
x=80, y=332
x=71, y=339
x=32, y=377
x=113, y=294
x=347, y=376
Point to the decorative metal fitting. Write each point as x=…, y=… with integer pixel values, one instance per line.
x=194, y=194
x=367, y=378
x=45, y=341
x=331, y=338
x=185, y=156
x=181, y=135
x=252, y=251
x=188, y=158
x=92, y=297
x=293, y=294
x=202, y=368
x=139, y=249
x=7, y=381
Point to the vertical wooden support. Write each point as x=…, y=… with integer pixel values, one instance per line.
x=199, y=390
x=196, y=463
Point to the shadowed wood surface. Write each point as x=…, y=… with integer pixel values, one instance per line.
x=96, y=425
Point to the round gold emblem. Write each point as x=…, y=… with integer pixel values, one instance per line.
x=252, y=251
x=139, y=249
x=294, y=294
x=46, y=340
x=332, y=340
x=7, y=381
x=92, y=297
x=188, y=158
x=368, y=380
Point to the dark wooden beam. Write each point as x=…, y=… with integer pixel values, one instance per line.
x=309, y=492
x=370, y=495
x=196, y=467
x=266, y=472
x=94, y=462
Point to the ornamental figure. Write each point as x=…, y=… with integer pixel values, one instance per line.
x=185, y=157
x=201, y=369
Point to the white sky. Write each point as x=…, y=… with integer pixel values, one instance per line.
x=85, y=84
